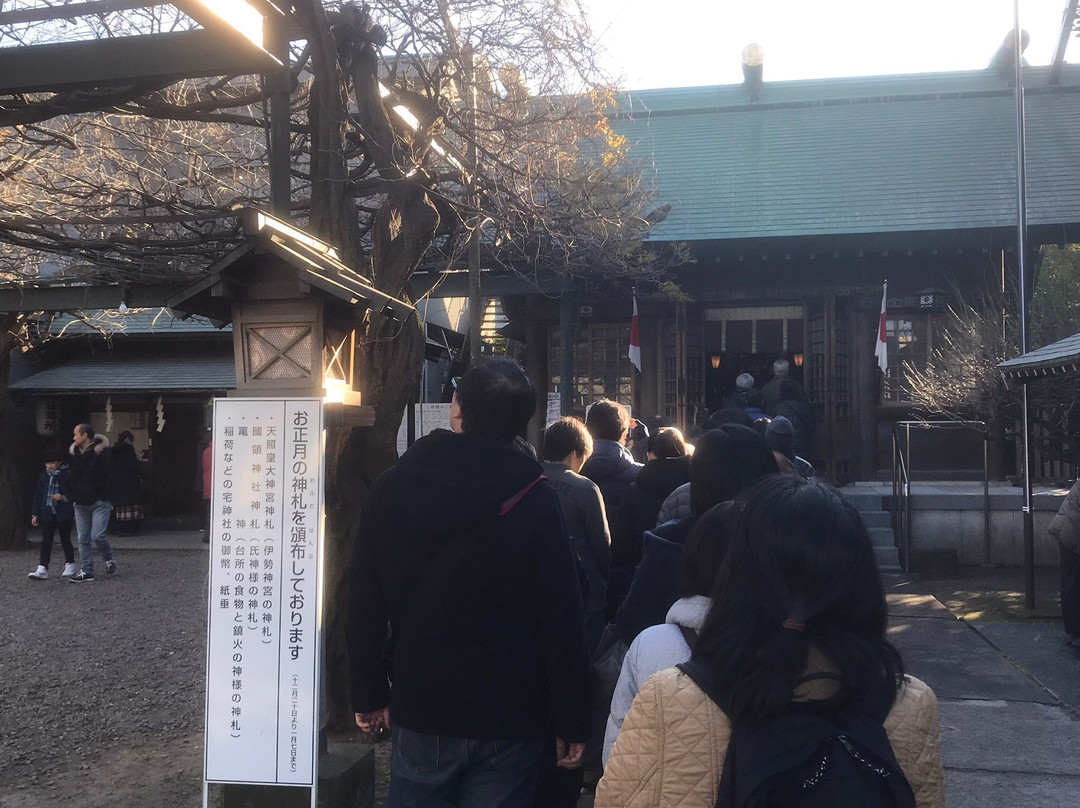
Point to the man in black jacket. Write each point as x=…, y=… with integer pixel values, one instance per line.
x=91, y=486
x=611, y=465
x=462, y=549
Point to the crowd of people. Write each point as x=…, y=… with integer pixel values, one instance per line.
x=731, y=598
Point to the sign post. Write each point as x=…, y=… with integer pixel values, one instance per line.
x=264, y=632
x=294, y=308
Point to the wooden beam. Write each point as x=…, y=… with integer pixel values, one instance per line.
x=154, y=57
x=83, y=298
x=72, y=11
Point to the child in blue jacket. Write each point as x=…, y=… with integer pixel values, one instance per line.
x=53, y=511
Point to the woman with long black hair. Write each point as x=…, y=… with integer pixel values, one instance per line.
x=798, y=618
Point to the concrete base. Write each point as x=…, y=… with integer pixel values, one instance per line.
x=347, y=777
x=933, y=563
x=950, y=516
x=346, y=780
x=233, y=796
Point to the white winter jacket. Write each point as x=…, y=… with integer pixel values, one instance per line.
x=654, y=649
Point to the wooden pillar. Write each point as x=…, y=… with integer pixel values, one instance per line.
x=867, y=386
x=536, y=367
x=680, y=364
x=568, y=340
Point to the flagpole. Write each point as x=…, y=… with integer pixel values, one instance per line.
x=634, y=354
x=1021, y=260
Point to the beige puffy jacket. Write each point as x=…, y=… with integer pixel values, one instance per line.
x=671, y=749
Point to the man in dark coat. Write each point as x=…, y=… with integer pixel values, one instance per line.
x=770, y=393
x=91, y=491
x=462, y=550
x=611, y=466
x=567, y=446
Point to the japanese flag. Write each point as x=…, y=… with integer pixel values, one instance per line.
x=881, y=350
x=635, y=339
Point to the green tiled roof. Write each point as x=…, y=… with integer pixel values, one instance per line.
x=1058, y=357
x=868, y=155
x=130, y=375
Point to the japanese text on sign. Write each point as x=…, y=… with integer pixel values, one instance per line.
x=262, y=654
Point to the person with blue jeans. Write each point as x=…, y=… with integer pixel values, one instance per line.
x=462, y=550
x=90, y=482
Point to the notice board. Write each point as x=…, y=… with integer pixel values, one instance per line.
x=263, y=636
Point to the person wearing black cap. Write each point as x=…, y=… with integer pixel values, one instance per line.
x=780, y=437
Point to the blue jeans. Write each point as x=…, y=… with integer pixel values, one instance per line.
x=439, y=771
x=92, y=521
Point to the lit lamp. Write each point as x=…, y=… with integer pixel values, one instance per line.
x=715, y=361
x=798, y=360
x=338, y=357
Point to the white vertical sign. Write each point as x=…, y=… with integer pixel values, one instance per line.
x=263, y=627
x=429, y=417
x=554, y=409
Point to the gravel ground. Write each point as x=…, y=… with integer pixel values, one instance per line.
x=103, y=683
x=102, y=700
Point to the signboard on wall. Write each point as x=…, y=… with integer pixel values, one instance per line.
x=554, y=408
x=429, y=417
x=262, y=675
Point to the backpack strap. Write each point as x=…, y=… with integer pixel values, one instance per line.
x=702, y=675
x=690, y=636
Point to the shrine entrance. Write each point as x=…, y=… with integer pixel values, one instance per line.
x=748, y=340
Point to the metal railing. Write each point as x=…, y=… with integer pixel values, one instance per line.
x=901, y=478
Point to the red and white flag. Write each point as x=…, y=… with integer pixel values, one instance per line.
x=635, y=339
x=881, y=350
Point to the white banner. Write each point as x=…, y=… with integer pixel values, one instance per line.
x=262, y=674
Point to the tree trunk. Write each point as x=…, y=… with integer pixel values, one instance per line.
x=390, y=355
x=12, y=523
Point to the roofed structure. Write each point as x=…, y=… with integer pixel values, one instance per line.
x=1058, y=357
x=870, y=155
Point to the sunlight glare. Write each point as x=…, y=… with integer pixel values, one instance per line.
x=242, y=17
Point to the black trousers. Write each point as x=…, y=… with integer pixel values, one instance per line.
x=1070, y=591
x=49, y=527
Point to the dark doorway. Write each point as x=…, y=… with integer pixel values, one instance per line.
x=174, y=460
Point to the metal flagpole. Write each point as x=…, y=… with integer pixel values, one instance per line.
x=1021, y=260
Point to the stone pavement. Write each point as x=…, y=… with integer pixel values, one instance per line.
x=1009, y=694
x=1008, y=686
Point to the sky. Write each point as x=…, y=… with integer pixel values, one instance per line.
x=683, y=43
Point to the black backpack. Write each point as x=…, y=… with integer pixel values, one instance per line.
x=805, y=759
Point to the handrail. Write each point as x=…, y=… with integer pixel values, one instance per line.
x=901, y=501
x=902, y=468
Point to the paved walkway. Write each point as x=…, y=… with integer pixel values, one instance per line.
x=1008, y=686
x=1009, y=692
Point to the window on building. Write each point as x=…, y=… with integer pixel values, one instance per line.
x=601, y=365
x=909, y=338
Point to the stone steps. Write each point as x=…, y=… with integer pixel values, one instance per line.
x=870, y=506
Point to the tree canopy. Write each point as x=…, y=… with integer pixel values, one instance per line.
x=417, y=128
x=495, y=110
